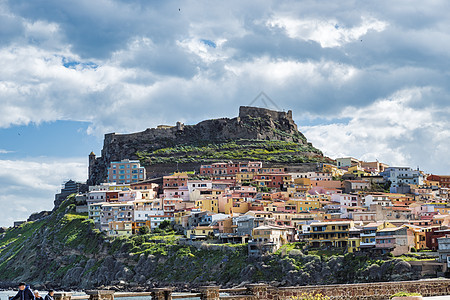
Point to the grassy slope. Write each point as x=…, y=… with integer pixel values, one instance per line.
x=269, y=151
x=29, y=251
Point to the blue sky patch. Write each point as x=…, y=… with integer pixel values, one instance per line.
x=209, y=43
x=72, y=64
x=49, y=139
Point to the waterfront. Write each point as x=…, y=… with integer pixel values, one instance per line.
x=5, y=294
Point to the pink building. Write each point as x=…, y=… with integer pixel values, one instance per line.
x=231, y=168
x=181, y=192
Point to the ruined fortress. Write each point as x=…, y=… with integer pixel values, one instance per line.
x=252, y=124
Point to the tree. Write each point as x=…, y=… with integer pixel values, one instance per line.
x=144, y=230
x=166, y=224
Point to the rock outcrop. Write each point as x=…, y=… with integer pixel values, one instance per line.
x=252, y=124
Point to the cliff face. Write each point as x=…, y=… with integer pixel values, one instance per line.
x=252, y=124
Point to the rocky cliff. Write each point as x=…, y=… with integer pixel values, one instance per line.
x=64, y=251
x=254, y=128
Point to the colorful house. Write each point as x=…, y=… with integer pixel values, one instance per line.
x=397, y=240
x=331, y=234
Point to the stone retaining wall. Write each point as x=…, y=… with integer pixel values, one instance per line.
x=364, y=291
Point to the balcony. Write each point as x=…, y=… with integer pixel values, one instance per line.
x=368, y=234
x=372, y=244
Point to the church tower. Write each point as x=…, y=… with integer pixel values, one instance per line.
x=91, y=164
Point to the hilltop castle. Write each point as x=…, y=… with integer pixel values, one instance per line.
x=252, y=124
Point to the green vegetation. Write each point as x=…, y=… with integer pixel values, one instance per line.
x=144, y=230
x=404, y=294
x=327, y=253
x=270, y=151
x=21, y=248
x=415, y=258
x=310, y=296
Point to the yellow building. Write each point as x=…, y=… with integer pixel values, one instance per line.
x=304, y=205
x=201, y=193
x=230, y=205
x=334, y=170
x=354, y=239
x=318, y=197
x=239, y=207
x=357, y=171
x=118, y=187
x=419, y=236
x=244, y=177
x=178, y=216
x=302, y=183
x=200, y=232
x=208, y=204
x=431, y=183
x=442, y=210
x=120, y=228
x=138, y=224
x=332, y=234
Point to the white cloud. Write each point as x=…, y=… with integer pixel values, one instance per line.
x=393, y=130
x=207, y=53
x=131, y=66
x=30, y=185
x=3, y=151
x=328, y=33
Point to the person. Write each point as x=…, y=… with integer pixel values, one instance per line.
x=49, y=296
x=37, y=296
x=24, y=293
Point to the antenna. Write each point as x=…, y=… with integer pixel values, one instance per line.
x=263, y=96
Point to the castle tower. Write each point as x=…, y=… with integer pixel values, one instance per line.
x=91, y=163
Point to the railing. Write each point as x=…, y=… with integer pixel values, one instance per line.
x=203, y=293
x=367, y=244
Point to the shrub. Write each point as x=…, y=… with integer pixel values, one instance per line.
x=404, y=294
x=310, y=296
x=413, y=249
x=144, y=230
x=166, y=224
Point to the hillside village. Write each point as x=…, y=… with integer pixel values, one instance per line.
x=352, y=206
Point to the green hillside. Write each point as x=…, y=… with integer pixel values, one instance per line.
x=260, y=150
x=65, y=251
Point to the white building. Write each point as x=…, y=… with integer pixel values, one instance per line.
x=94, y=212
x=143, y=209
x=108, y=186
x=348, y=200
x=444, y=249
x=96, y=196
x=347, y=162
x=381, y=199
x=195, y=184
x=402, y=175
x=129, y=195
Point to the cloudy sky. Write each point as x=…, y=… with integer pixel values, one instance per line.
x=368, y=79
